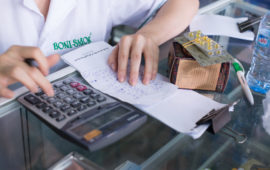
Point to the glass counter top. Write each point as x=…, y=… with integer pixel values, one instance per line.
x=155, y=145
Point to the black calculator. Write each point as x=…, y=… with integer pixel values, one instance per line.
x=86, y=115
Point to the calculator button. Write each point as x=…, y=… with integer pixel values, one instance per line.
x=41, y=105
x=77, y=95
x=70, y=91
x=58, y=104
x=87, y=91
x=74, y=84
x=39, y=93
x=47, y=109
x=64, y=88
x=61, y=95
x=91, y=103
x=60, y=118
x=71, y=112
x=69, y=100
x=56, y=91
x=65, y=107
x=81, y=88
x=51, y=99
x=81, y=107
x=94, y=95
x=44, y=96
x=31, y=99
x=85, y=99
x=54, y=114
x=57, y=85
x=75, y=104
x=68, y=81
x=101, y=98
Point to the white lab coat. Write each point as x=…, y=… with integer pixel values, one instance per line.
x=69, y=23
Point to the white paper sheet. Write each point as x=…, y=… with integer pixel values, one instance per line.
x=179, y=109
x=220, y=25
x=91, y=61
x=182, y=110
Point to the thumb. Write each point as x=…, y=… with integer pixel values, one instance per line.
x=53, y=59
x=5, y=92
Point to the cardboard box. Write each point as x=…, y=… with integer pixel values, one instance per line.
x=187, y=73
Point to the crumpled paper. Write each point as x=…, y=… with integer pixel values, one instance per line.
x=266, y=116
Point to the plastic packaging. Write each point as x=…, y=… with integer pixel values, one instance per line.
x=258, y=76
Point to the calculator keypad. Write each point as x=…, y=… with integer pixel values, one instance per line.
x=71, y=97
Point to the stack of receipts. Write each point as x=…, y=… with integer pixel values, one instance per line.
x=177, y=108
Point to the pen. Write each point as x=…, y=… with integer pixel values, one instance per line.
x=243, y=82
x=30, y=61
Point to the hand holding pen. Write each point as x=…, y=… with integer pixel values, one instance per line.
x=13, y=68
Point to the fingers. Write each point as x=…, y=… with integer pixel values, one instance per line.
x=151, y=54
x=41, y=81
x=134, y=46
x=4, y=91
x=123, y=55
x=21, y=74
x=112, y=60
x=33, y=53
x=148, y=67
x=155, y=63
x=31, y=78
x=15, y=69
x=136, y=55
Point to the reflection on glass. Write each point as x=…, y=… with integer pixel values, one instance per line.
x=101, y=120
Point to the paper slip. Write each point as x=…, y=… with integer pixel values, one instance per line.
x=220, y=25
x=179, y=109
x=183, y=109
x=91, y=62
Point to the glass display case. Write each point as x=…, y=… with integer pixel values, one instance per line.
x=155, y=145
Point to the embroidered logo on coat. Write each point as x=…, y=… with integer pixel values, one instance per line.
x=72, y=43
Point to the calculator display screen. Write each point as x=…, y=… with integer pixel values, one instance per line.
x=97, y=122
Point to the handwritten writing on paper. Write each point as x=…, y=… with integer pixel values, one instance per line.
x=106, y=80
x=92, y=64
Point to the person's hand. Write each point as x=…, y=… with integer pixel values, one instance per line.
x=14, y=69
x=133, y=47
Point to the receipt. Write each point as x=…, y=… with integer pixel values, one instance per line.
x=91, y=62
